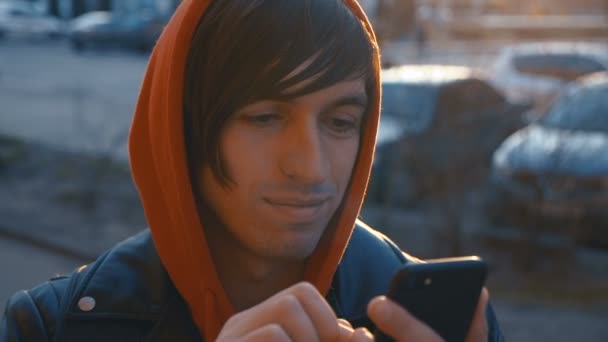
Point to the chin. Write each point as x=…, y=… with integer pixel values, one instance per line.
x=296, y=249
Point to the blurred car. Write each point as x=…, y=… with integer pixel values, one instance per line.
x=22, y=19
x=438, y=129
x=553, y=174
x=536, y=72
x=89, y=20
x=101, y=29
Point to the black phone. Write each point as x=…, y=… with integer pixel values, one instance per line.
x=443, y=293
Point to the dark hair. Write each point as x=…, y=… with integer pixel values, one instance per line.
x=242, y=51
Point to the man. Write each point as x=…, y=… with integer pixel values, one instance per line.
x=251, y=147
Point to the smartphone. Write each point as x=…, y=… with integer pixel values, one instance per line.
x=443, y=293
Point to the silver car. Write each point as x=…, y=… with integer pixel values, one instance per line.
x=21, y=19
x=552, y=175
x=538, y=71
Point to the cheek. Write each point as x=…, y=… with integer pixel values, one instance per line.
x=246, y=160
x=342, y=159
x=248, y=165
x=232, y=204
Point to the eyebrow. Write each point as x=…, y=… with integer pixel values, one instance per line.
x=358, y=99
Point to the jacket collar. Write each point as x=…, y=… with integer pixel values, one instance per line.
x=129, y=282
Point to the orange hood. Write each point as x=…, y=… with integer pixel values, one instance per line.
x=160, y=171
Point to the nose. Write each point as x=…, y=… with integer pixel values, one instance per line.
x=303, y=157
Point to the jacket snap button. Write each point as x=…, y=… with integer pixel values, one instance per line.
x=86, y=303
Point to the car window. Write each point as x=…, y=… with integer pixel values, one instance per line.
x=577, y=108
x=17, y=9
x=409, y=105
x=564, y=66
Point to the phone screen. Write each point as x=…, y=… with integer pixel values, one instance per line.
x=442, y=293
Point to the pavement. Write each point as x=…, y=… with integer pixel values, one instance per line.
x=81, y=102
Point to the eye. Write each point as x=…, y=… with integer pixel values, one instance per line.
x=343, y=125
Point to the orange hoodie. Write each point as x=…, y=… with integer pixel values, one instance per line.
x=159, y=168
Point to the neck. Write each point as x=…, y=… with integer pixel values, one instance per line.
x=239, y=269
x=261, y=280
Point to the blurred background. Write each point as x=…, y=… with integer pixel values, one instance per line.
x=493, y=141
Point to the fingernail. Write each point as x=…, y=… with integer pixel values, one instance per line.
x=362, y=334
x=344, y=322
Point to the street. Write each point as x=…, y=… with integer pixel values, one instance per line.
x=77, y=101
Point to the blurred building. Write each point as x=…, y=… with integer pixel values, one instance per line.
x=161, y=7
x=392, y=19
x=515, y=18
x=71, y=8
x=547, y=7
x=517, y=7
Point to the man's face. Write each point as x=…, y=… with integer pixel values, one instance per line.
x=290, y=162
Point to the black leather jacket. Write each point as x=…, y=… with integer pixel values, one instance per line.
x=136, y=301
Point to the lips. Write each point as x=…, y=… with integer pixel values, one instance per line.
x=299, y=210
x=298, y=202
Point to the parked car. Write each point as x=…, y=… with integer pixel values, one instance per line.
x=100, y=29
x=439, y=127
x=537, y=71
x=553, y=174
x=89, y=20
x=21, y=19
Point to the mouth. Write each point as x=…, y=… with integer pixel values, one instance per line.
x=299, y=210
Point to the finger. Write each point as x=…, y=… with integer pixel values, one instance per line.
x=344, y=323
x=318, y=310
x=479, y=326
x=301, y=310
x=270, y=332
x=285, y=311
x=396, y=322
x=293, y=318
x=348, y=334
x=345, y=331
x=362, y=335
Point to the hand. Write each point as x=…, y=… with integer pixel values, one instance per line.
x=298, y=313
x=396, y=322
